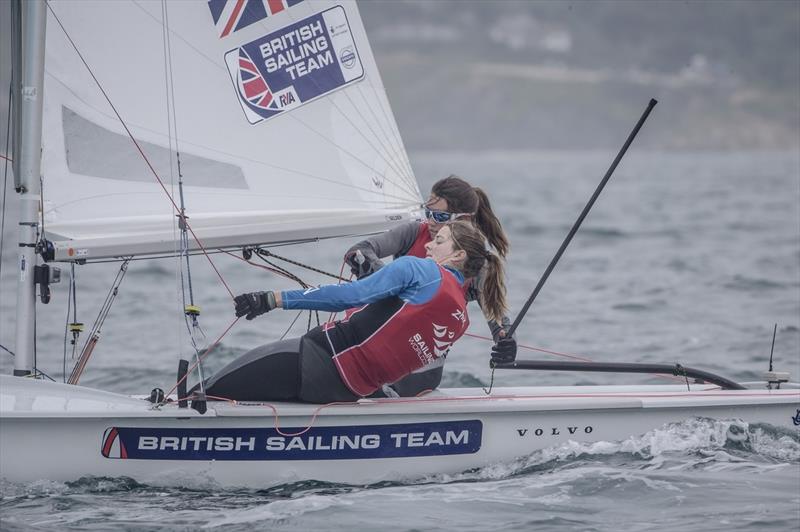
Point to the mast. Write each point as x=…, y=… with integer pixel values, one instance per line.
x=29, y=94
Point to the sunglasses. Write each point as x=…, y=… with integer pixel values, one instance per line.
x=442, y=216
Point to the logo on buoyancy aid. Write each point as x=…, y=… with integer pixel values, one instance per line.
x=443, y=339
x=796, y=418
x=419, y=346
x=460, y=315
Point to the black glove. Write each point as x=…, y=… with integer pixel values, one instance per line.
x=505, y=350
x=362, y=264
x=254, y=304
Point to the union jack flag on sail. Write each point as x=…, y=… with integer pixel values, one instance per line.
x=252, y=86
x=232, y=15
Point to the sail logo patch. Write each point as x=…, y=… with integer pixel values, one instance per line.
x=317, y=443
x=294, y=65
x=232, y=15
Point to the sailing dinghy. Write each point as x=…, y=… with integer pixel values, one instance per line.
x=278, y=112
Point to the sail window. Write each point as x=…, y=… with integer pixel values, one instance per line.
x=95, y=151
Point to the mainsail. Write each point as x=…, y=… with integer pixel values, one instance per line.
x=276, y=108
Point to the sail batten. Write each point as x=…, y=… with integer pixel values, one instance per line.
x=282, y=122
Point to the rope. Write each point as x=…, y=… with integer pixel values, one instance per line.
x=293, y=322
x=285, y=272
x=275, y=414
x=200, y=359
x=277, y=271
x=263, y=251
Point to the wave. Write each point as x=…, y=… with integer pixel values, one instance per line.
x=698, y=442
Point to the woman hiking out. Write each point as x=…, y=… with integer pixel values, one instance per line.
x=451, y=198
x=407, y=316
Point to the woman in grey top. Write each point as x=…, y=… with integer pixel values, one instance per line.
x=451, y=198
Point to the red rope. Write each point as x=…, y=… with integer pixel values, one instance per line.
x=275, y=414
x=201, y=358
x=6, y=158
x=268, y=268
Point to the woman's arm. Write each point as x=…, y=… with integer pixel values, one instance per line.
x=504, y=349
x=396, y=242
x=410, y=278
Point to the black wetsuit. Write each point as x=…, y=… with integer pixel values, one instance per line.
x=404, y=298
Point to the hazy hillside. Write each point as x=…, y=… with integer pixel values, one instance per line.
x=572, y=74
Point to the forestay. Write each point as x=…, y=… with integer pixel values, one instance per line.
x=276, y=108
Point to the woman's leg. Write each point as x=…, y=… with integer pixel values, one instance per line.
x=415, y=383
x=319, y=379
x=267, y=373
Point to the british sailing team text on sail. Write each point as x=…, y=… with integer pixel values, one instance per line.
x=299, y=52
x=302, y=443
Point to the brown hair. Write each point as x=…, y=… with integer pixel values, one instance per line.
x=463, y=197
x=493, y=295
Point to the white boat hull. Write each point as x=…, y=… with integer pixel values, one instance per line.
x=60, y=432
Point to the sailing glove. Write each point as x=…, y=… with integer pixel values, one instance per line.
x=254, y=304
x=363, y=262
x=504, y=351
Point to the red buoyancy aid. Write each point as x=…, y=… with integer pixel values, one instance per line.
x=384, y=341
x=417, y=249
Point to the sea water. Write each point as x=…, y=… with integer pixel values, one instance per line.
x=686, y=257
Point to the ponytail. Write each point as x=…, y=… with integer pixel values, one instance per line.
x=463, y=197
x=487, y=222
x=493, y=292
x=492, y=297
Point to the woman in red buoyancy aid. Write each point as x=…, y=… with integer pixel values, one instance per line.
x=451, y=198
x=411, y=312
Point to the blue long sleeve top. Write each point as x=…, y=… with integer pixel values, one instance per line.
x=411, y=279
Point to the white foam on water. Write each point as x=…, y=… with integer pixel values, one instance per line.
x=279, y=510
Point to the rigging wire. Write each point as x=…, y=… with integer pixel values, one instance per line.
x=201, y=358
x=190, y=311
x=94, y=333
x=66, y=332
x=73, y=327
x=393, y=160
x=292, y=324
x=398, y=140
x=342, y=149
x=399, y=154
